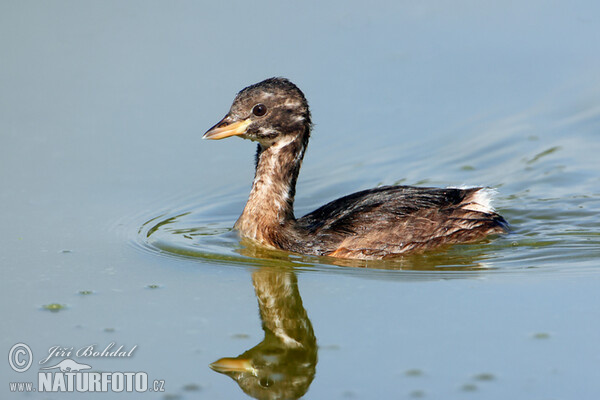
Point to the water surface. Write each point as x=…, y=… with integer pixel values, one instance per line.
x=118, y=217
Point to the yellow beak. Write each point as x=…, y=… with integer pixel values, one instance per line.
x=225, y=365
x=226, y=127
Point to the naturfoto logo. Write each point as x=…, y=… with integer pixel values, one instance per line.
x=68, y=375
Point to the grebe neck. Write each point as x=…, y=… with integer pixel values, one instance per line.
x=270, y=205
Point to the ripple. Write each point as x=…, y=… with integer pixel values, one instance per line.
x=548, y=192
x=541, y=243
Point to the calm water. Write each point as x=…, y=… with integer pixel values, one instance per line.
x=117, y=216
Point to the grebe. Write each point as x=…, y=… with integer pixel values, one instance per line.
x=378, y=223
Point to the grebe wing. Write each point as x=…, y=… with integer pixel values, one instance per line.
x=384, y=202
x=391, y=220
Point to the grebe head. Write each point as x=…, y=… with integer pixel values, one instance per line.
x=266, y=112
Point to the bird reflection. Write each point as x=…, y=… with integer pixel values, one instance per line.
x=282, y=366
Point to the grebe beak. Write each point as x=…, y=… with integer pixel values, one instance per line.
x=225, y=365
x=227, y=127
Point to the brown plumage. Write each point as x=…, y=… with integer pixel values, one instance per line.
x=378, y=223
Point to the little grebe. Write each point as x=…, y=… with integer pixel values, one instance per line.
x=378, y=223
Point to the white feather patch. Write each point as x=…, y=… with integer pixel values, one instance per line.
x=481, y=201
x=292, y=103
x=282, y=143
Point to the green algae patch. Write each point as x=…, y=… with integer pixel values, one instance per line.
x=413, y=372
x=54, y=307
x=484, y=376
x=541, y=336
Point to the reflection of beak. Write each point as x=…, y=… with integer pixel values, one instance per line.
x=225, y=365
x=227, y=127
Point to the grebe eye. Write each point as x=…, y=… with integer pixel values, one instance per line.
x=266, y=382
x=259, y=110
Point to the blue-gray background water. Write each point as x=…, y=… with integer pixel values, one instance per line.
x=116, y=213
